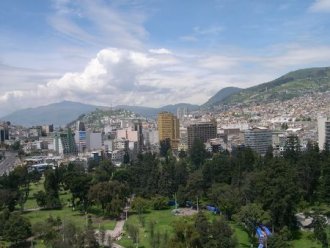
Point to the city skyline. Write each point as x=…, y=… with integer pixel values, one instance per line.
x=150, y=52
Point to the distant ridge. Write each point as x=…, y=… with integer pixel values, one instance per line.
x=56, y=113
x=288, y=86
x=62, y=113
x=221, y=95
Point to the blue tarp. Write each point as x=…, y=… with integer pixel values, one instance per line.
x=260, y=234
x=213, y=209
x=266, y=230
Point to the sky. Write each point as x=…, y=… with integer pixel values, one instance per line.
x=152, y=52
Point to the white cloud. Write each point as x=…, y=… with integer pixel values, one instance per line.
x=160, y=51
x=108, y=23
x=320, y=6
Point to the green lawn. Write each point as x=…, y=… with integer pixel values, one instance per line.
x=66, y=213
x=34, y=188
x=163, y=219
x=306, y=240
x=241, y=236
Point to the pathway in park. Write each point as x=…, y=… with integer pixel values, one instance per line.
x=117, y=231
x=113, y=234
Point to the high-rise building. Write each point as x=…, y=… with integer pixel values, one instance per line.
x=258, y=139
x=169, y=128
x=181, y=112
x=201, y=131
x=323, y=129
x=46, y=129
x=4, y=132
x=64, y=143
x=138, y=128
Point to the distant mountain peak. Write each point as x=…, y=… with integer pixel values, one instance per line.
x=221, y=95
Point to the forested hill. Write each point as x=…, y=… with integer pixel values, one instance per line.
x=292, y=84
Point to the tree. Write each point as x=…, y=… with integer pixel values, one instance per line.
x=292, y=148
x=126, y=158
x=197, y=154
x=51, y=186
x=8, y=199
x=226, y=197
x=185, y=235
x=78, y=182
x=309, y=171
x=159, y=203
x=222, y=235
x=277, y=241
x=324, y=190
x=195, y=185
x=251, y=216
x=320, y=224
x=203, y=228
x=164, y=147
x=45, y=230
x=182, y=154
x=41, y=198
x=277, y=191
x=218, y=170
x=17, y=229
x=104, y=171
x=20, y=177
x=110, y=195
x=140, y=205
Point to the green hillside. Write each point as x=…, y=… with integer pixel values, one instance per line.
x=293, y=84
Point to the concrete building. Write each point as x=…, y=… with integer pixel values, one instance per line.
x=181, y=112
x=151, y=137
x=81, y=140
x=169, y=128
x=94, y=141
x=259, y=139
x=47, y=129
x=323, y=126
x=4, y=133
x=64, y=143
x=201, y=131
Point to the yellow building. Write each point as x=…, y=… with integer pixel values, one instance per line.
x=169, y=128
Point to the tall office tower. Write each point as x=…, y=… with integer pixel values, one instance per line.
x=259, y=139
x=181, y=112
x=169, y=128
x=201, y=131
x=81, y=137
x=323, y=129
x=138, y=128
x=80, y=126
x=4, y=132
x=64, y=143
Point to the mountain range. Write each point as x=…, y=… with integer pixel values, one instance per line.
x=288, y=86
x=292, y=84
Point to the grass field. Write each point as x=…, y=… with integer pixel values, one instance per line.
x=66, y=213
x=241, y=236
x=163, y=219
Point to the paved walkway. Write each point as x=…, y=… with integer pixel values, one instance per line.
x=113, y=234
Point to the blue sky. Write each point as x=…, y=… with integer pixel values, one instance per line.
x=152, y=52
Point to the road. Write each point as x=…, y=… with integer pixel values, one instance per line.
x=8, y=164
